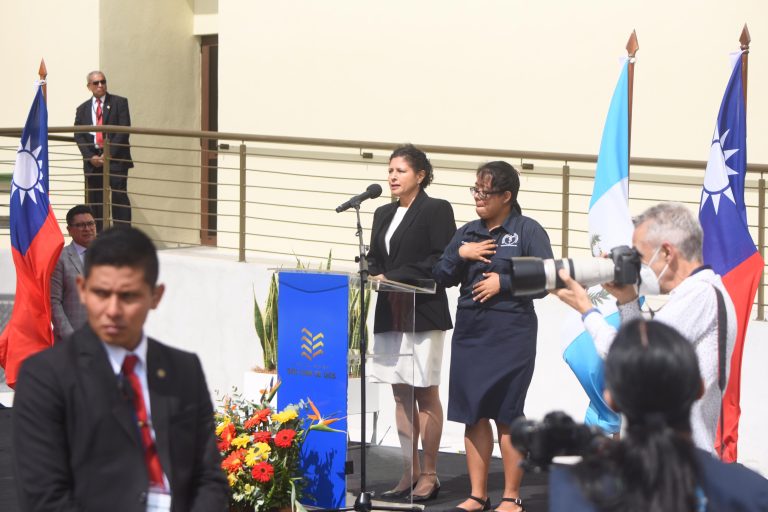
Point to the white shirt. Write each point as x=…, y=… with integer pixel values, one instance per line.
x=80, y=251
x=396, y=220
x=692, y=310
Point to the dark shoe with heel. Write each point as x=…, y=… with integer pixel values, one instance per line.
x=394, y=494
x=516, y=501
x=486, y=505
x=432, y=494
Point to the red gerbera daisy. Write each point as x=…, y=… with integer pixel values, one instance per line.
x=262, y=472
x=284, y=438
x=251, y=422
x=262, y=436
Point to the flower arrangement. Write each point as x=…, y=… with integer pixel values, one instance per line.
x=260, y=450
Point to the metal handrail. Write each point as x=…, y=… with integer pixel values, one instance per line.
x=367, y=144
x=562, y=171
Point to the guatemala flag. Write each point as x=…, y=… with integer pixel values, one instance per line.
x=728, y=246
x=36, y=242
x=610, y=225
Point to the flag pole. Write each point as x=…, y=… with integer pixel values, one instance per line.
x=43, y=72
x=744, y=39
x=632, y=47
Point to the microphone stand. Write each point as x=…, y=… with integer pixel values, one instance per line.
x=363, y=502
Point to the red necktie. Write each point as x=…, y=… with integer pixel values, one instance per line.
x=99, y=135
x=151, y=459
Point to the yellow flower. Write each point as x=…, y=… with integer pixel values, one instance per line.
x=262, y=450
x=285, y=416
x=248, y=489
x=232, y=479
x=252, y=457
x=241, y=441
x=220, y=427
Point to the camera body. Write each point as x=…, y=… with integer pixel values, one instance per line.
x=626, y=265
x=532, y=276
x=557, y=434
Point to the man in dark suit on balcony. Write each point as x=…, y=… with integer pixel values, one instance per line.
x=105, y=108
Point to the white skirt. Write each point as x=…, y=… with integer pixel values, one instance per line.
x=413, y=358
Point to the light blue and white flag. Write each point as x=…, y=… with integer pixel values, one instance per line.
x=610, y=225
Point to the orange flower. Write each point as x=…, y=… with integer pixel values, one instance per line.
x=226, y=437
x=251, y=422
x=234, y=461
x=263, y=415
x=284, y=438
x=262, y=472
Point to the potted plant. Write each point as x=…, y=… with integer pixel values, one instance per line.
x=265, y=322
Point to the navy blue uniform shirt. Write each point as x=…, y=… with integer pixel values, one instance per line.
x=517, y=236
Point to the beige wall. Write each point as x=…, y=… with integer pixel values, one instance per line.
x=148, y=53
x=151, y=57
x=502, y=74
x=54, y=31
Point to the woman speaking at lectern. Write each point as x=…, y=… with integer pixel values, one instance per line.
x=407, y=238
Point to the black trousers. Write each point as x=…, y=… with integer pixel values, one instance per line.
x=94, y=193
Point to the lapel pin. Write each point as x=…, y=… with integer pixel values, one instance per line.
x=161, y=373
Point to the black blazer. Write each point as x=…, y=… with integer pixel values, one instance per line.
x=115, y=112
x=416, y=245
x=76, y=444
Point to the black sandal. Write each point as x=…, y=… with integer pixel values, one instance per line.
x=486, y=503
x=516, y=501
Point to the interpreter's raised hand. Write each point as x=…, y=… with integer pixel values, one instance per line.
x=573, y=294
x=478, y=251
x=487, y=288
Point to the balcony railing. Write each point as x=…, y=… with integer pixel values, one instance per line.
x=259, y=196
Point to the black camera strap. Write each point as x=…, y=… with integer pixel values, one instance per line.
x=722, y=333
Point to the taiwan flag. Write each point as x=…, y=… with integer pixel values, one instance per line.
x=728, y=246
x=36, y=242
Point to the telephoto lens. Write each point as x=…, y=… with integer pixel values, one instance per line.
x=531, y=276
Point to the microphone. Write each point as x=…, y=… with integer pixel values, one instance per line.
x=372, y=192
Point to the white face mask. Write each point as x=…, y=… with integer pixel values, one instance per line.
x=649, y=281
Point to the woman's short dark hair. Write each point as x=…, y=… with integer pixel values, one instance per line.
x=504, y=177
x=417, y=160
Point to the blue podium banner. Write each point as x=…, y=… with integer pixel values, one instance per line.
x=312, y=366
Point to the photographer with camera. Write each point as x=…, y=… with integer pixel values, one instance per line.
x=669, y=241
x=652, y=376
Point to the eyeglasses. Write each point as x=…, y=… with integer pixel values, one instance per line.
x=84, y=225
x=99, y=82
x=483, y=194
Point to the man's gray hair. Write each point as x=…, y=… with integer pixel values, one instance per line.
x=673, y=223
x=94, y=72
